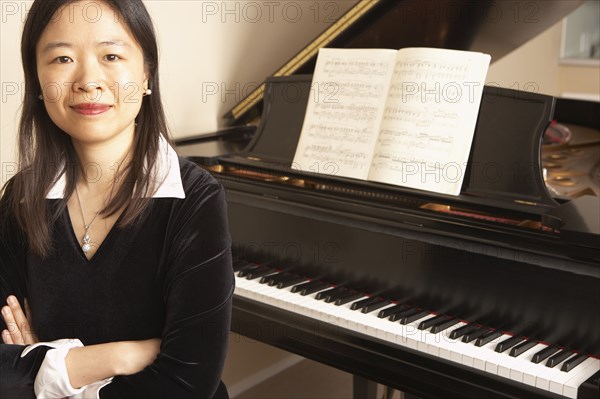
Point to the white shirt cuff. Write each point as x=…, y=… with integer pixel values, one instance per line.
x=92, y=391
x=52, y=380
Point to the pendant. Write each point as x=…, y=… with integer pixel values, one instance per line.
x=86, y=243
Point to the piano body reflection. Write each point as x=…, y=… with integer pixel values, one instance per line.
x=492, y=293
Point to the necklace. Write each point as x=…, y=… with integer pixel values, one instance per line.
x=86, y=240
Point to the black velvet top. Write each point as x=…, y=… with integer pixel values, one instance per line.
x=168, y=276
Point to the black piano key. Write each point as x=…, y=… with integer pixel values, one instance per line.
x=406, y=311
x=300, y=287
x=314, y=288
x=245, y=270
x=282, y=277
x=508, y=343
x=414, y=317
x=256, y=273
x=425, y=324
x=275, y=279
x=352, y=296
x=460, y=331
x=375, y=306
x=291, y=280
x=438, y=328
x=522, y=347
x=336, y=294
x=559, y=357
x=544, y=354
x=327, y=293
x=391, y=310
x=473, y=335
x=241, y=264
x=365, y=302
x=269, y=278
x=573, y=362
x=487, y=338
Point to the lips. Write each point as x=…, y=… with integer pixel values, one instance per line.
x=90, y=108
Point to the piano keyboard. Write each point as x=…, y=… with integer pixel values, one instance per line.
x=519, y=359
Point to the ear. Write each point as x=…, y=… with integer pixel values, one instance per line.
x=147, y=77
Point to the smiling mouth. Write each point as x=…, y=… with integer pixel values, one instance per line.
x=90, y=109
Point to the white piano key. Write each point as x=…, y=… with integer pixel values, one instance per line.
x=323, y=310
x=441, y=345
x=372, y=328
x=429, y=343
x=412, y=333
x=471, y=352
x=353, y=319
x=447, y=348
x=590, y=367
x=425, y=337
x=484, y=358
x=515, y=365
x=543, y=379
x=522, y=364
x=305, y=304
x=366, y=322
x=493, y=359
x=558, y=381
x=382, y=327
x=486, y=351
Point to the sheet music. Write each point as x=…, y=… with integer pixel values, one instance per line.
x=429, y=119
x=344, y=111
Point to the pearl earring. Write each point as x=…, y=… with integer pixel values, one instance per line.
x=147, y=92
x=41, y=97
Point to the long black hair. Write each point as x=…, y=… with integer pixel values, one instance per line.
x=46, y=151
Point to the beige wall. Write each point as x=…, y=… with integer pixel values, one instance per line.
x=579, y=79
x=532, y=67
x=212, y=53
x=535, y=66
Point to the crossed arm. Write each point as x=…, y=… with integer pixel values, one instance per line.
x=87, y=364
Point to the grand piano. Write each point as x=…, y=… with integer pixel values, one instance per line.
x=492, y=293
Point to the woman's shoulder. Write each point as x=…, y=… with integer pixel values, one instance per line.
x=196, y=179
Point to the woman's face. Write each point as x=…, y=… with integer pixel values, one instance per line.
x=92, y=73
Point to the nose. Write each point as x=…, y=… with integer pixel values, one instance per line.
x=88, y=81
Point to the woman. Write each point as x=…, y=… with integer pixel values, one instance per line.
x=120, y=247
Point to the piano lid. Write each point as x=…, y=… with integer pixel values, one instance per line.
x=492, y=27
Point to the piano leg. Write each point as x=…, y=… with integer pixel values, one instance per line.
x=363, y=388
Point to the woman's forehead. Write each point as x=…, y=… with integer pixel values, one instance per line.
x=88, y=22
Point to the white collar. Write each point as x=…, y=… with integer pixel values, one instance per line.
x=166, y=171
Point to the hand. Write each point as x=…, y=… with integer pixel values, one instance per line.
x=137, y=355
x=88, y=364
x=19, y=330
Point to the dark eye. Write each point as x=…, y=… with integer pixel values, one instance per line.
x=63, y=60
x=112, y=57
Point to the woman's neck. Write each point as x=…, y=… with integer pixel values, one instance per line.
x=101, y=162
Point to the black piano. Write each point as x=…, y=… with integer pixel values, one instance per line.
x=493, y=293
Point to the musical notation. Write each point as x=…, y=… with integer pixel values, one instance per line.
x=343, y=127
x=430, y=69
x=340, y=66
x=361, y=113
x=400, y=117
